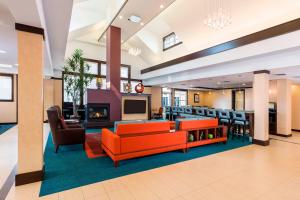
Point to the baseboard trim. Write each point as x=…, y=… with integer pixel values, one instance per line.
x=2, y=123
x=296, y=130
x=281, y=135
x=261, y=142
x=30, y=177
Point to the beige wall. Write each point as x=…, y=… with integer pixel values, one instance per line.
x=191, y=94
x=218, y=99
x=48, y=95
x=9, y=109
x=52, y=94
x=273, y=91
x=156, y=99
x=58, y=92
x=135, y=116
x=296, y=107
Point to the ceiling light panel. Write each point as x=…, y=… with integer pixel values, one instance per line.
x=135, y=19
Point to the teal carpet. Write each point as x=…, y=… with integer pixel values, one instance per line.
x=5, y=127
x=71, y=168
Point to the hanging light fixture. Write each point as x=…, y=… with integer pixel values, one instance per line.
x=134, y=51
x=218, y=17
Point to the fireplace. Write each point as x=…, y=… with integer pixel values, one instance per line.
x=97, y=112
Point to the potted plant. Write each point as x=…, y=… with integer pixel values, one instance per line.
x=76, y=78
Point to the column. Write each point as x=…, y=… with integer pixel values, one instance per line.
x=284, y=107
x=261, y=107
x=113, y=71
x=113, y=58
x=30, y=104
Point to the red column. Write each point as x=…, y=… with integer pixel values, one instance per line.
x=113, y=63
x=113, y=58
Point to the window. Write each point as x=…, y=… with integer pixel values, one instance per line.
x=93, y=67
x=6, y=87
x=166, y=97
x=170, y=41
x=122, y=85
x=67, y=98
x=103, y=69
x=98, y=69
x=124, y=72
x=180, y=98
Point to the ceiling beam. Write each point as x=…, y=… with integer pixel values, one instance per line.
x=278, y=30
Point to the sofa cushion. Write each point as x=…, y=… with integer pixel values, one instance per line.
x=142, y=128
x=127, y=122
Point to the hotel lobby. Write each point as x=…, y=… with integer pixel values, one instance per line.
x=158, y=100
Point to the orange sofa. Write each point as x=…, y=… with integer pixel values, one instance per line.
x=141, y=139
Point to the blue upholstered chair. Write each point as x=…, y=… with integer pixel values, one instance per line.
x=180, y=111
x=211, y=113
x=174, y=112
x=240, y=123
x=200, y=111
x=224, y=119
x=167, y=112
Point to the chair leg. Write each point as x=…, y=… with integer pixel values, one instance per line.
x=244, y=132
x=56, y=148
x=83, y=145
x=116, y=163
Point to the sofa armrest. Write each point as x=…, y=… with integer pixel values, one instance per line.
x=111, y=141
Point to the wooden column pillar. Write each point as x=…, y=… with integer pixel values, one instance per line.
x=113, y=67
x=261, y=107
x=30, y=105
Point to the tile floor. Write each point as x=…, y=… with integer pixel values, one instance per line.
x=252, y=172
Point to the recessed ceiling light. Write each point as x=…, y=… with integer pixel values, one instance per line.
x=244, y=84
x=142, y=24
x=135, y=19
x=2, y=51
x=161, y=6
x=6, y=66
x=120, y=17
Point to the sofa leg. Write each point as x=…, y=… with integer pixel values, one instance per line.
x=184, y=150
x=116, y=163
x=56, y=148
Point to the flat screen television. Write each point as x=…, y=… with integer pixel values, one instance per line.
x=134, y=106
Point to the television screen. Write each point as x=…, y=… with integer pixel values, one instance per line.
x=134, y=106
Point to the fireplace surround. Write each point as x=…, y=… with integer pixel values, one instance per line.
x=97, y=113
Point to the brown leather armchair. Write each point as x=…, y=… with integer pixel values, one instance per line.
x=62, y=136
x=73, y=124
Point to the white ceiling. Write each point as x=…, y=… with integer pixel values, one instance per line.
x=240, y=80
x=7, y=39
x=38, y=13
x=185, y=18
x=90, y=19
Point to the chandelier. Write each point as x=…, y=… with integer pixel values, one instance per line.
x=134, y=51
x=218, y=16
